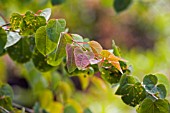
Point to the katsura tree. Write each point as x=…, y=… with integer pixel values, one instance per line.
x=50, y=47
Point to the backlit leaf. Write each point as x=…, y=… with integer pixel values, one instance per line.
x=43, y=43
x=120, y=5
x=96, y=47
x=56, y=57
x=71, y=66
x=54, y=28
x=81, y=58
x=3, y=39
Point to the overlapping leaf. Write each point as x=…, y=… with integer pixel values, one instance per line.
x=43, y=43
x=40, y=61
x=54, y=29
x=71, y=66
x=158, y=91
x=56, y=57
x=82, y=60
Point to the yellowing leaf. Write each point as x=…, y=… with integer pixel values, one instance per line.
x=105, y=53
x=55, y=107
x=84, y=81
x=117, y=65
x=48, y=98
x=99, y=83
x=96, y=47
x=76, y=105
x=114, y=60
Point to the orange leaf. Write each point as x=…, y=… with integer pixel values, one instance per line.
x=117, y=66
x=96, y=47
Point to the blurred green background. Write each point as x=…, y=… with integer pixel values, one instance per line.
x=142, y=33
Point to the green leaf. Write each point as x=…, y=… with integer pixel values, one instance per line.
x=57, y=2
x=56, y=57
x=71, y=66
x=40, y=61
x=44, y=45
x=162, y=79
x=133, y=94
x=46, y=13
x=31, y=23
x=150, y=81
x=115, y=49
x=120, y=5
x=158, y=106
x=77, y=38
x=69, y=109
x=6, y=103
x=124, y=81
x=161, y=91
x=15, y=21
x=6, y=90
x=81, y=59
x=110, y=76
x=3, y=39
x=54, y=28
x=12, y=38
x=21, y=51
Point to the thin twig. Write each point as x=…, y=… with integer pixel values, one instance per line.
x=7, y=24
x=3, y=109
x=21, y=108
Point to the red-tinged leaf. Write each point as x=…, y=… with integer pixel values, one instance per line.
x=81, y=58
x=96, y=47
x=71, y=66
x=90, y=55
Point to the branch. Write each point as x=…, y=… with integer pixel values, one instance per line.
x=21, y=107
x=4, y=110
